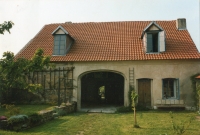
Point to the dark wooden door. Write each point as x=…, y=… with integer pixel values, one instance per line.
x=144, y=92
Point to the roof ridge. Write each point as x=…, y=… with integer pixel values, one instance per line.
x=110, y=22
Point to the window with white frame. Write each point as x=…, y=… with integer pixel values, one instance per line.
x=170, y=88
x=153, y=38
x=154, y=41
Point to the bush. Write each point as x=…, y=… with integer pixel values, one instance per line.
x=60, y=111
x=181, y=127
x=16, y=122
x=34, y=118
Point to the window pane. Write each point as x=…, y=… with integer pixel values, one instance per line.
x=149, y=43
x=62, y=47
x=56, y=43
x=168, y=88
x=63, y=37
x=59, y=44
x=62, y=52
x=56, y=47
x=56, y=52
x=56, y=37
x=62, y=42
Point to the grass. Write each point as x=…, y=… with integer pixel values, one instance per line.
x=151, y=123
x=25, y=109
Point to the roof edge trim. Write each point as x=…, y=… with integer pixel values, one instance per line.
x=152, y=23
x=59, y=27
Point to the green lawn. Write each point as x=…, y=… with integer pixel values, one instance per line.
x=25, y=109
x=151, y=123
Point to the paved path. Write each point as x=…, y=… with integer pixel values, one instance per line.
x=99, y=110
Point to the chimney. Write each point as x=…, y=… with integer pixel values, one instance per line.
x=69, y=22
x=181, y=24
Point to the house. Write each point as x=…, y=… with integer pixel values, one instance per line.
x=157, y=58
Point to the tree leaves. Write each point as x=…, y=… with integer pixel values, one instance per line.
x=14, y=73
x=6, y=26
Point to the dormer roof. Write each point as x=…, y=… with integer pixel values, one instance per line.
x=153, y=23
x=58, y=28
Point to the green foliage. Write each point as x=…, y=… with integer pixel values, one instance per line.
x=181, y=127
x=38, y=61
x=18, y=119
x=134, y=97
x=129, y=95
x=195, y=90
x=11, y=110
x=6, y=26
x=60, y=112
x=198, y=90
x=35, y=88
x=15, y=122
x=15, y=73
x=34, y=118
x=12, y=72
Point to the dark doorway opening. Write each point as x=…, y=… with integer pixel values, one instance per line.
x=102, y=89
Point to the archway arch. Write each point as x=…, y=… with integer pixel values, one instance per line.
x=102, y=88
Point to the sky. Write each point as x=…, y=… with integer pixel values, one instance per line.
x=29, y=16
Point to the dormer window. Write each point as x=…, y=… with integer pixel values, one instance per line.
x=59, y=45
x=153, y=38
x=62, y=41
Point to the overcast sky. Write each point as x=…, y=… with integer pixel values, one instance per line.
x=29, y=16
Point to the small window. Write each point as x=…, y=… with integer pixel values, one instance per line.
x=59, y=45
x=170, y=88
x=154, y=42
x=153, y=38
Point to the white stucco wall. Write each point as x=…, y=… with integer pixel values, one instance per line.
x=152, y=69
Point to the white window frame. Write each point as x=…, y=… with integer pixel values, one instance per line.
x=161, y=42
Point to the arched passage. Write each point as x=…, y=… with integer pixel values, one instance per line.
x=102, y=88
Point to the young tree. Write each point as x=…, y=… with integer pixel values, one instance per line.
x=6, y=26
x=134, y=97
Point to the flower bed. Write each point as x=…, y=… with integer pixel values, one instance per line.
x=19, y=122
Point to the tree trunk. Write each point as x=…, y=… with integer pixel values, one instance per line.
x=135, y=121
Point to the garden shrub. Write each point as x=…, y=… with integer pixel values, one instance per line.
x=62, y=112
x=17, y=121
x=35, y=119
x=181, y=127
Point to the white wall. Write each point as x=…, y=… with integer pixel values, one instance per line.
x=153, y=69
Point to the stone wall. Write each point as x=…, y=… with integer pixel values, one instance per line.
x=46, y=115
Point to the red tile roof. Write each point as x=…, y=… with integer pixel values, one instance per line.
x=112, y=41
